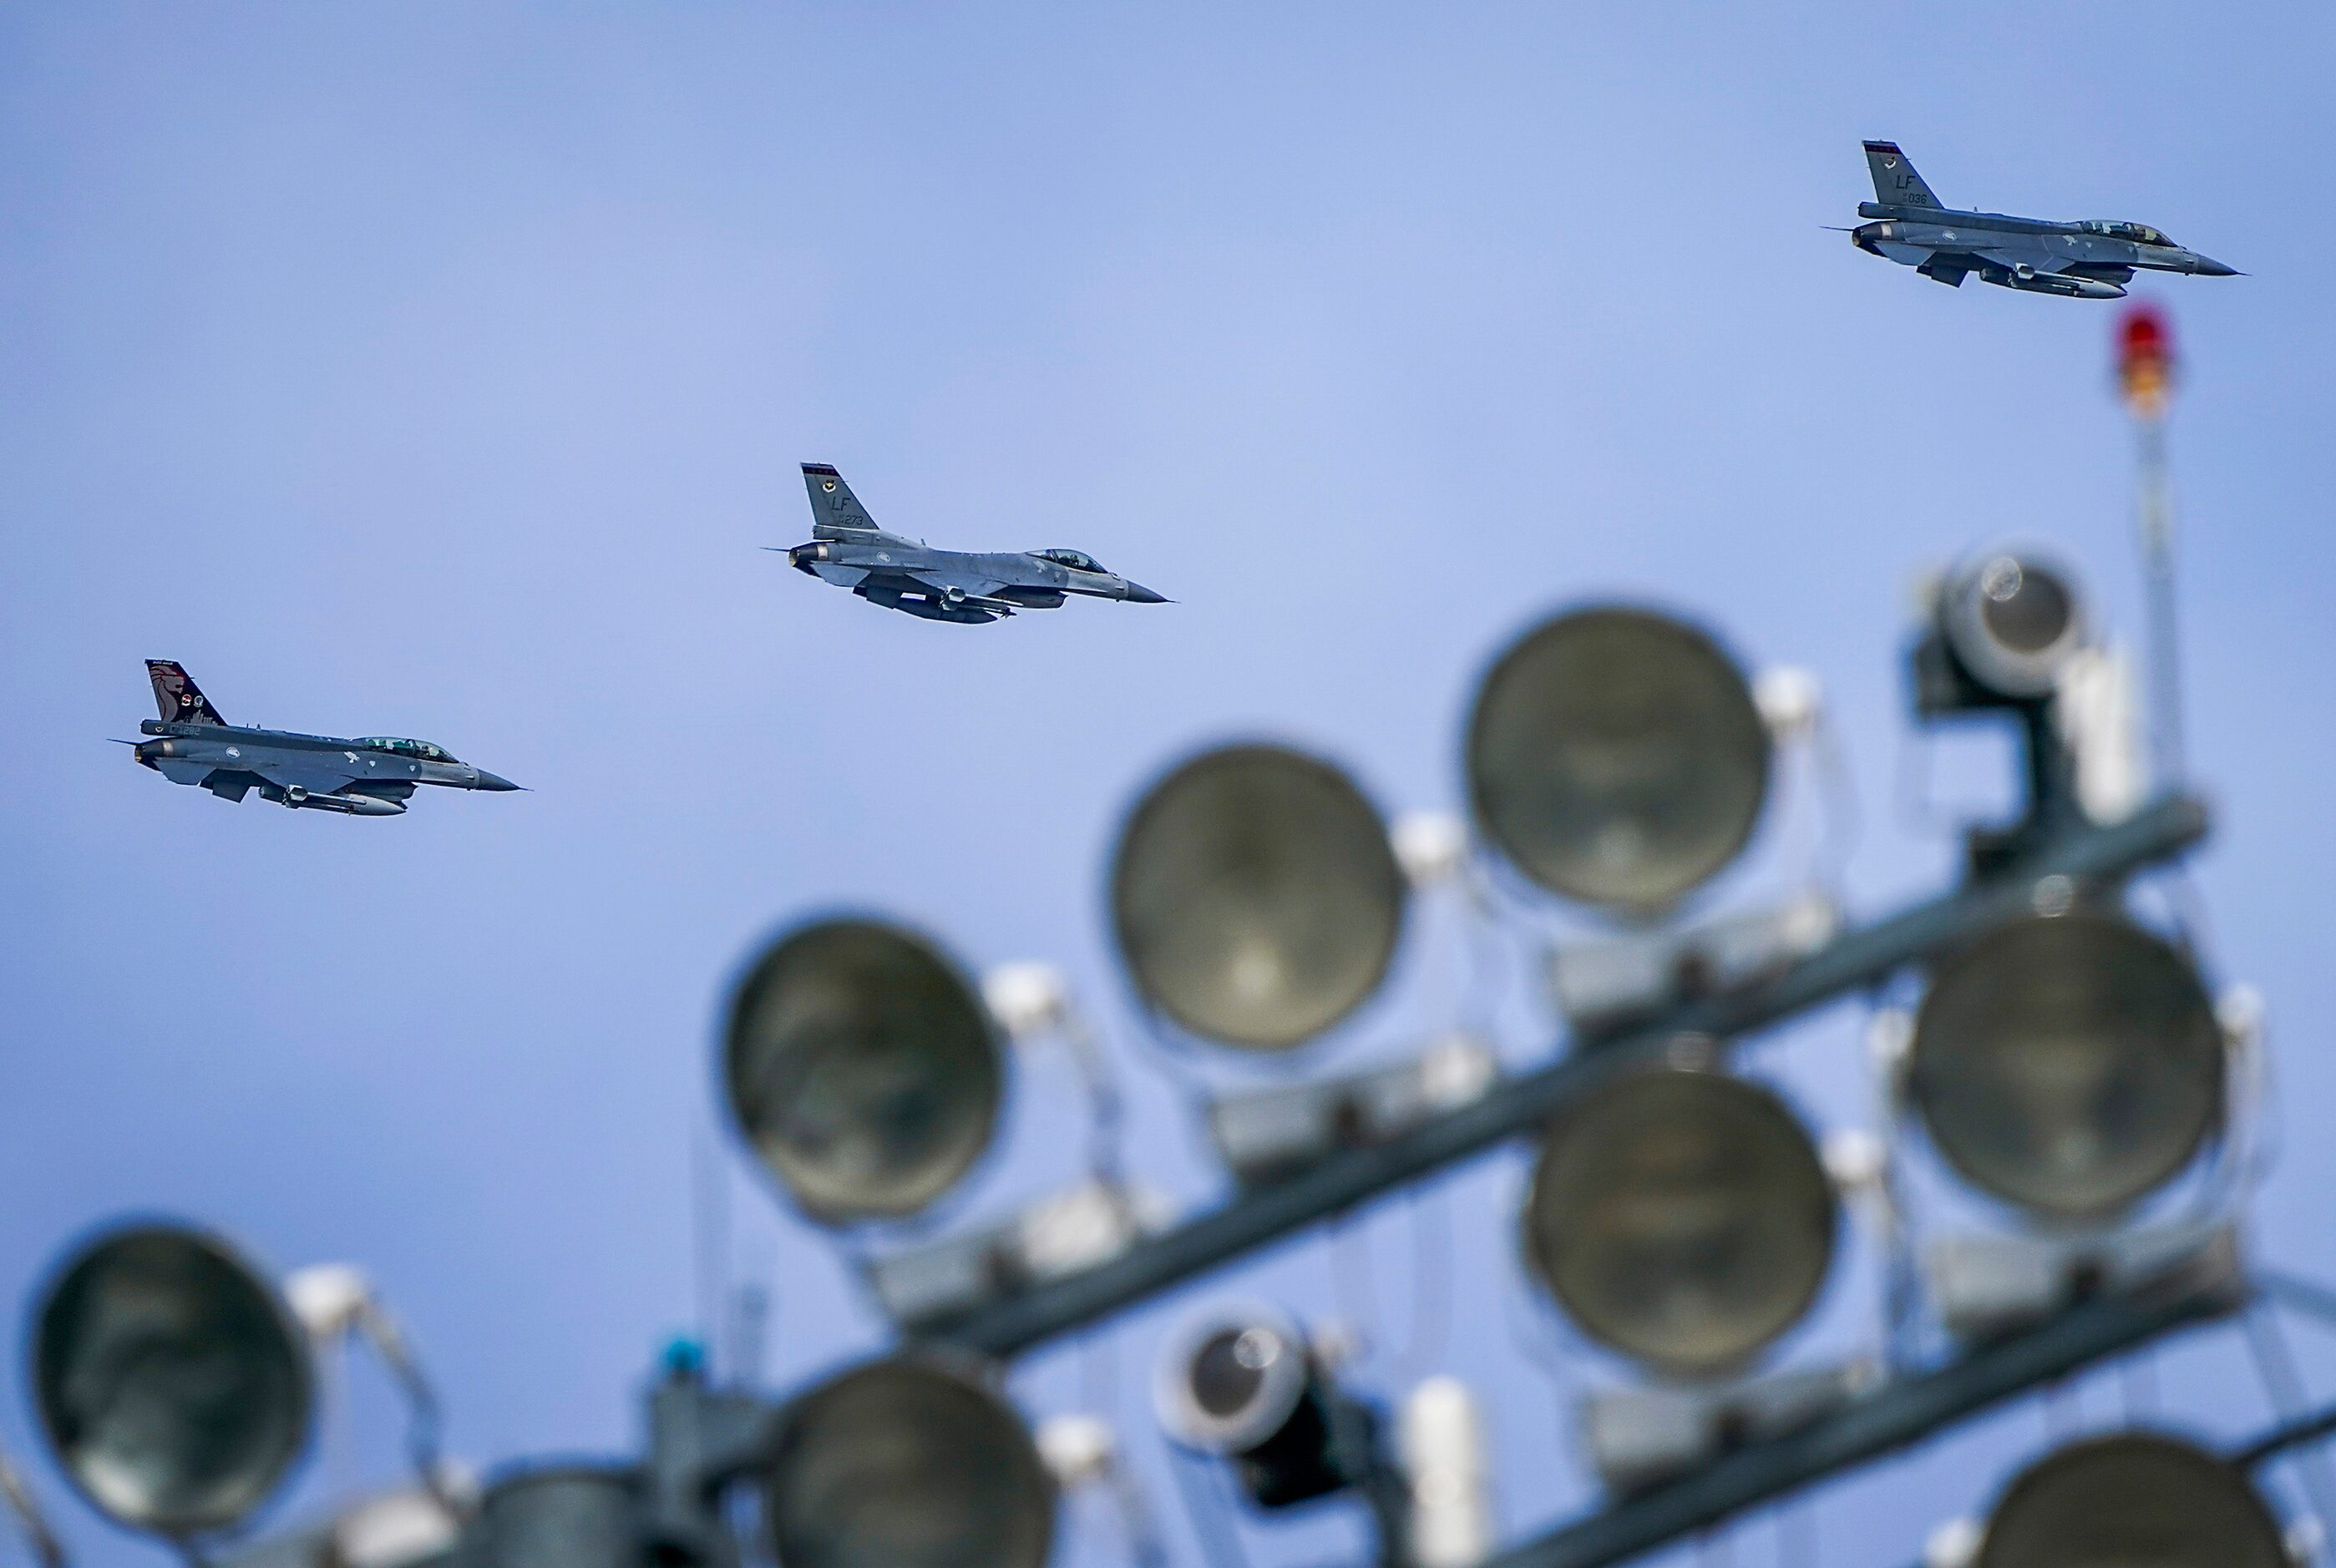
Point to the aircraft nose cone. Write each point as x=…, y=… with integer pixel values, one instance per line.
x=494, y=782
x=2210, y=267
x=1137, y=594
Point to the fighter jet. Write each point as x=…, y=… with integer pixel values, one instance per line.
x=374, y=777
x=2092, y=259
x=849, y=550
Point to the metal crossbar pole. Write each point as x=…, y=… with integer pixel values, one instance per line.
x=1523, y=1105
x=2302, y=1433
x=1892, y=1418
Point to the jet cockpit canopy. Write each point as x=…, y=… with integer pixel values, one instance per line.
x=1079, y=560
x=2141, y=233
x=398, y=746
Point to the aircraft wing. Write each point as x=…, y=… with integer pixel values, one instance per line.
x=2015, y=256
x=1948, y=266
x=318, y=772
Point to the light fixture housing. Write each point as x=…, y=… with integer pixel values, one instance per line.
x=1616, y=756
x=2013, y=620
x=1682, y=1217
x=908, y=1462
x=862, y=1070
x=1240, y=1382
x=2067, y=1064
x=2132, y=1497
x=928, y=1284
x=1255, y=897
x=173, y=1385
x=559, y=1516
x=1267, y=1135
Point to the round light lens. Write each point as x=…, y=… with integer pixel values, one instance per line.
x=173, y=1384
x=862, y=1069
x=2014, y=620
x=1230, y=1378
x=1681, y=1217
x=1616, y=756
x=2070, y=1064
x=1255, y=897
x=2133, y=1497
x=900, y=1464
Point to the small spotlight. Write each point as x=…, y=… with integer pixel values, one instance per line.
x=1616, y=756
x=2067, y=1064
x=1255, y=896
x=559, y=1516
x=173, y=1385
x=1682, y=1217
x=2012, y=620
x=906, y=1463
x=1239, y=1382
x=862, y=1069
x=2132, y=1497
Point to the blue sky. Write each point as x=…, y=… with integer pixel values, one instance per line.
x=438, y=369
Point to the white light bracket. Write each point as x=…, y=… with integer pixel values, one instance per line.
x=335, y=1301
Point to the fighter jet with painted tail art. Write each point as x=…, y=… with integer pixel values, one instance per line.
x=375, y=777
x=2093, y=259
x=971, y=587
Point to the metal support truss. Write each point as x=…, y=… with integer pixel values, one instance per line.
x=1893, y=1416
x=1859, y=957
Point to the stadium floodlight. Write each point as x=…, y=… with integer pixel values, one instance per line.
x=2012, y=620
x=173, y=1385
x=2132, y=1497
x=559, y=1516
x=2069, y=1064
x=1240, y=1382
x=1682, y=1217
x=862, y=1070
x=1255, y=897
x=1616, y=756
x=906, y=1463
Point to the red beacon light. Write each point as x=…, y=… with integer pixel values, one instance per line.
x=2146, y=359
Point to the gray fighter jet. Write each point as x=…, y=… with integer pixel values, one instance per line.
x=2092, y=259
x=849, y=550
x=374, y=777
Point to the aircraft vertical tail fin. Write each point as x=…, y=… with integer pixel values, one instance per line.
x=1896, y=183
x=835, y=512
x=178, y=696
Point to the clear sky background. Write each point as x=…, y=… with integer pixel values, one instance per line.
x=438, y=369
